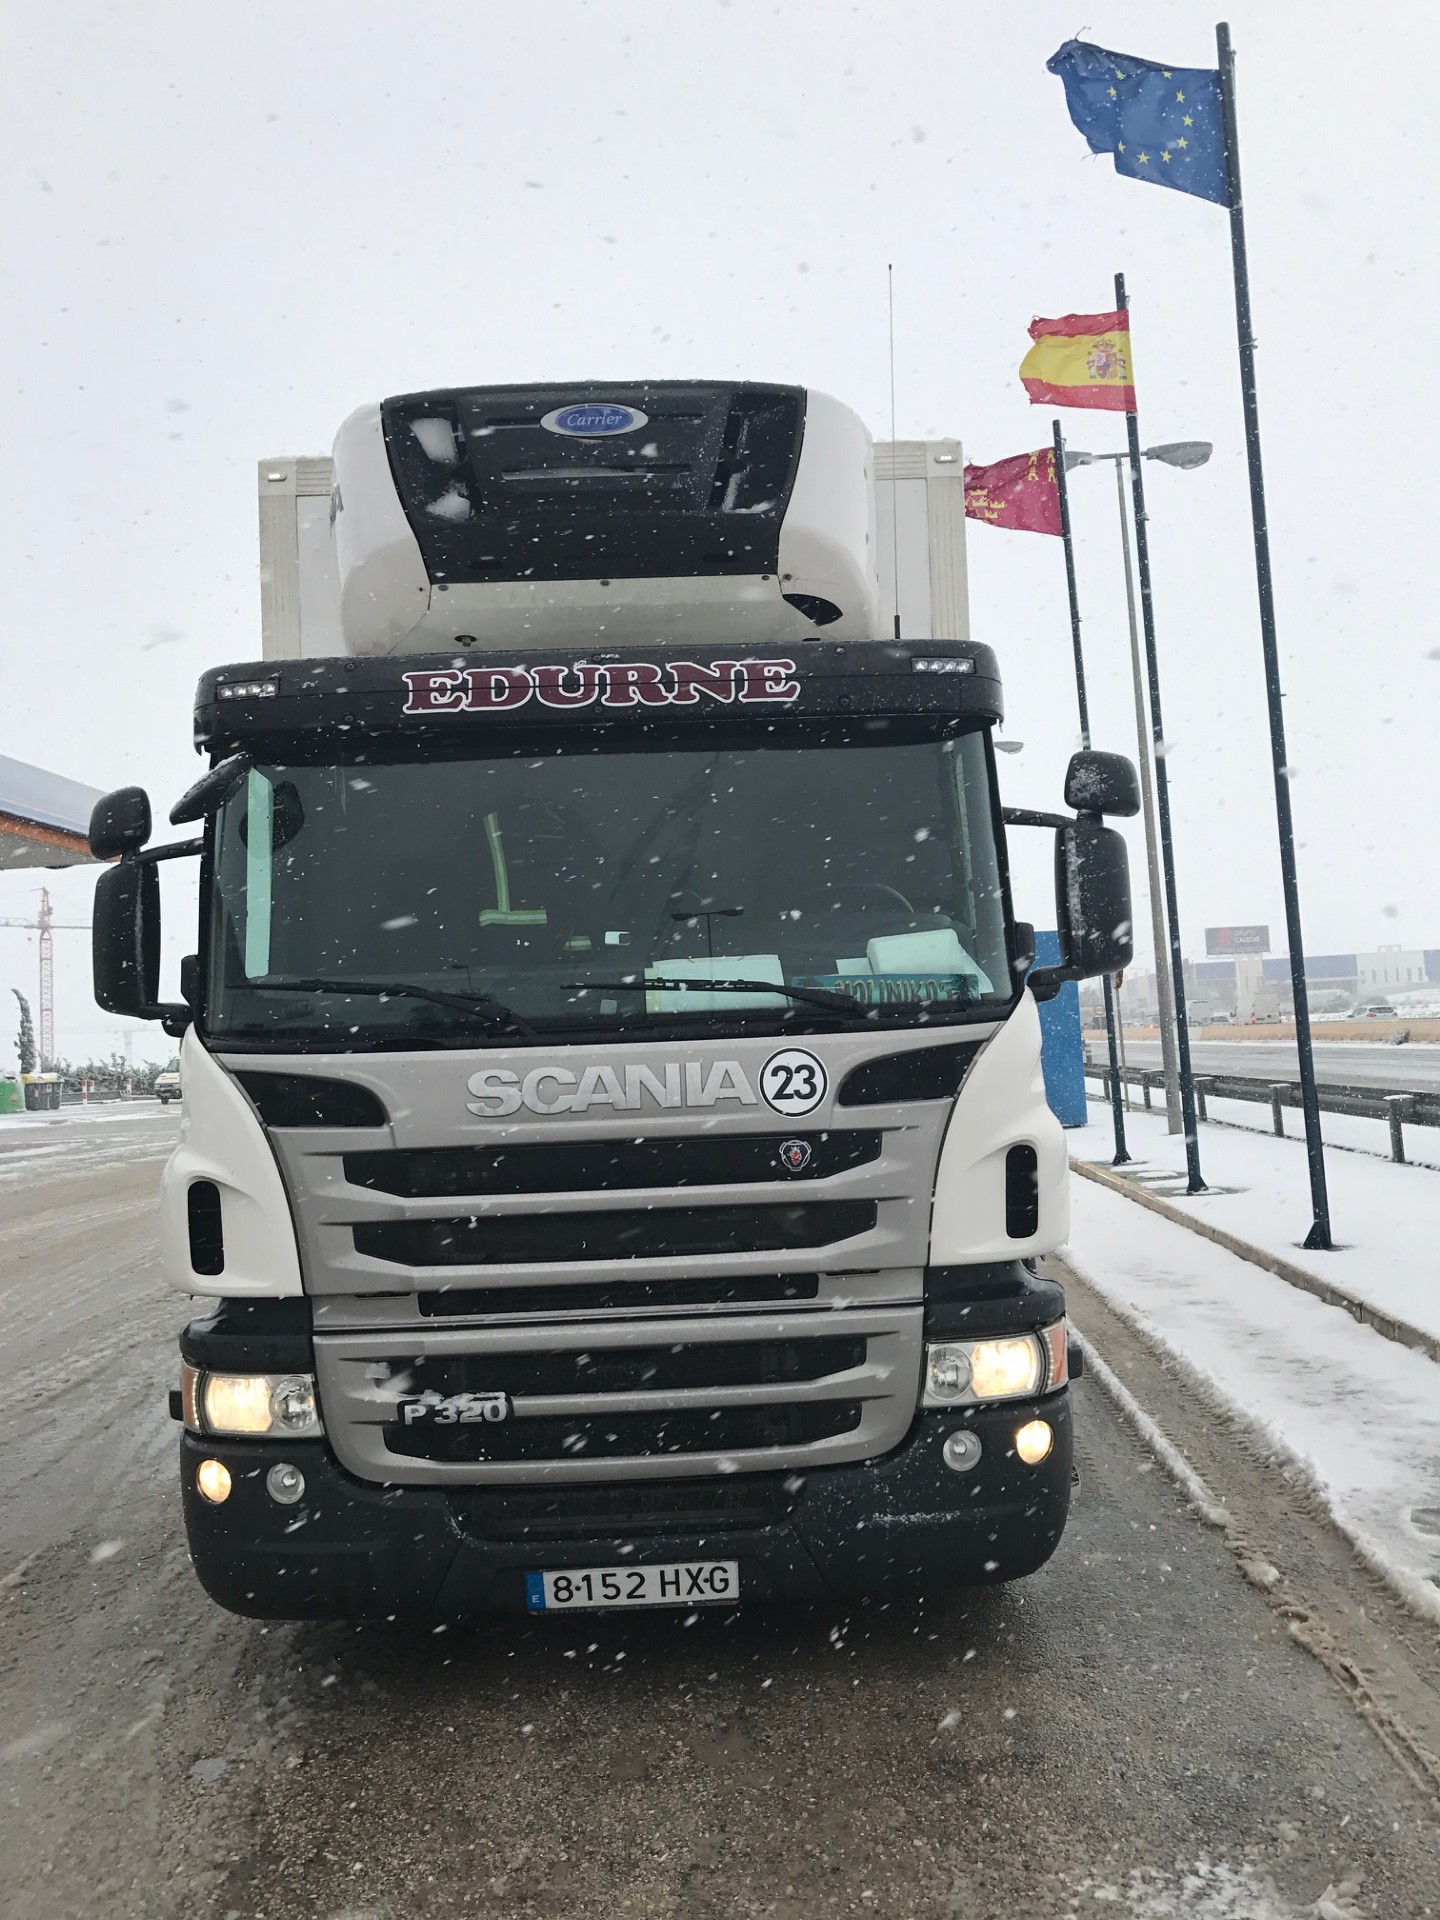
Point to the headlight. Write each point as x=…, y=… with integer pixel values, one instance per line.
x=947, y=1373
x=1018, y=1367
x=250, y=1403
x=1007, y=1369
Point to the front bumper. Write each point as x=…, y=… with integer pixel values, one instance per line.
x=355, y=1550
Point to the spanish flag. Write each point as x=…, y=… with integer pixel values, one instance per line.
x=1081, y=360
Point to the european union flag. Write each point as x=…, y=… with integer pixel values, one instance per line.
x=1161, y=123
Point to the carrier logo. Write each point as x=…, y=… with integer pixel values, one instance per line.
x=496, y=1091
x=625, y=683
x=594, y=419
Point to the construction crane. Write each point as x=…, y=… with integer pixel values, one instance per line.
x=45, y=924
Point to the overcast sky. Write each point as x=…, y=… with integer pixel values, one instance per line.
x=230, y=225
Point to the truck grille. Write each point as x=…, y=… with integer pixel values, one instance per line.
x=768, y=1388
x=479, y=1255
x=610, y=1436
x=608, y=1296
x=652, y=1233
x=632, y=1368
x=591, y=1166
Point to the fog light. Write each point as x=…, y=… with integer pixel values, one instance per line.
x=285, y=1484
x=212, y=1477
x=961, y=1450
x=1034, y=1441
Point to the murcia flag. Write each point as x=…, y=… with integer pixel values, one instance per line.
x=1081, y=360
x=1019, y=492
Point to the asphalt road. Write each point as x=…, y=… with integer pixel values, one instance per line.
x=1354, y=1063
x=1137, y=1731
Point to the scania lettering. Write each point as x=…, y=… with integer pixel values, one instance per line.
x=615, y=1156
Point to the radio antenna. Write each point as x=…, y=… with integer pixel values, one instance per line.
x=894, y=479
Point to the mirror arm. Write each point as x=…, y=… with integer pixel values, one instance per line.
x=1028, y=817
x=174, y=1015
x=177, y=850
x=1046, y=982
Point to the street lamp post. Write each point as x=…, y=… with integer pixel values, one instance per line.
x=1185, y=454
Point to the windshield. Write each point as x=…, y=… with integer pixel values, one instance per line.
x=598, y=889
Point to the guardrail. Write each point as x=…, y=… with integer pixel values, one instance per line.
x=1414, y=1107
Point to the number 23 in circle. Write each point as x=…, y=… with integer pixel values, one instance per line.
x=793, y=1081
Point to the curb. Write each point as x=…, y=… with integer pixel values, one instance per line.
x=1385, y=1324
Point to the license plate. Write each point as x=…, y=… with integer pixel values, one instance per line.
x=683, y=1583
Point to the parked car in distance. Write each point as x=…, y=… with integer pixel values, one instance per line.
x=1374, y=1010
x=167, y=1084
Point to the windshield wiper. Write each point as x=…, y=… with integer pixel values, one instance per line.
x=813, y=996
x=499, y=1014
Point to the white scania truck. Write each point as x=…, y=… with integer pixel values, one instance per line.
x=615, y=1146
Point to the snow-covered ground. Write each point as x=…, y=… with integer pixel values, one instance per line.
x=1355, y=1413
x=1347, y=1130
x=1353, y=1133
x=38, y=1144
x=1385, y=1218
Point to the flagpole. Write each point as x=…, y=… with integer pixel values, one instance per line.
x=1319, y=1234
x=1195, y=1181
x=1164, y=1004
x=1062, y=489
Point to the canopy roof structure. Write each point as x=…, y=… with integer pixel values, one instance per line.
x=44, y=818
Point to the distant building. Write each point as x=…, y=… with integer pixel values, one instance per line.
x=1218, y=986
x=1391, y=967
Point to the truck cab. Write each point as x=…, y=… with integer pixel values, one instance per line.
x=615, y=1144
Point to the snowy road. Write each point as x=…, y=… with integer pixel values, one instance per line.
x=1135, y=1732
x=1352, y=1063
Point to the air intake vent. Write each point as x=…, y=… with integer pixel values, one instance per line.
x=925, y=1073
x=520, y=483
x=672, y=1367
x=1022, y=1193
x=590, y=1166
x=523, y=1513
x=207, y=1236
x=302, y=1100
x=815, y=608
x=609, y=1436
x=618, y=1296
x=657, y=1233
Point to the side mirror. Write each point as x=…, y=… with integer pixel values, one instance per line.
x=1103, y=783
x=120, y=823
x=125, y=942
x=1092, y=905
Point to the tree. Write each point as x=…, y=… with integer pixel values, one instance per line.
x=25, y=1042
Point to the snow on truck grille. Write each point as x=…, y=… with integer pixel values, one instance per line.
x=553, y=1308
x=575, y=1401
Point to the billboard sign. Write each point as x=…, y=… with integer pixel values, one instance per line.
x=1231, y=940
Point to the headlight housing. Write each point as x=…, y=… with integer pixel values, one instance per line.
x=1020, y=1366
x=250, y=1405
